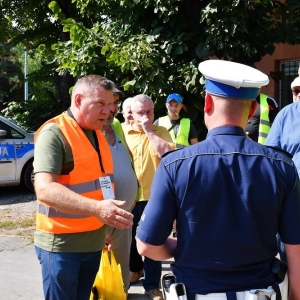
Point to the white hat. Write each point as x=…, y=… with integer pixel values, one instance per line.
x=230, y=79
x=296, y=82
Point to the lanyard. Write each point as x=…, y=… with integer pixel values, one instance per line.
x=98, y=151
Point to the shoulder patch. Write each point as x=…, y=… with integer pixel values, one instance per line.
x=167, y=153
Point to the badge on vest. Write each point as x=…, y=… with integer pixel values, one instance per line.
x=106, y=187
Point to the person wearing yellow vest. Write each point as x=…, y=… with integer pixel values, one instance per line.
x=125, y=187
x=259, y=125
x=73, y=169
x=182, y=130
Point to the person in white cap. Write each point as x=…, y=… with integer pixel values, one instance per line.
x=295, y=86
x=229, y=196
x=283, y=135
x=182, y=130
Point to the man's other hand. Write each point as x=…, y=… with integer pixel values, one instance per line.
x=108, y=212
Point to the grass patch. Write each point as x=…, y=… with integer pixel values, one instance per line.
x=14, y=224
x=25, y=223
x=7, y=225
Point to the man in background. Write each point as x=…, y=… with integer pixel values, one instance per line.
x=182, y=130
x=125, y=188
x=283, y=132
x=259, y=125
x=283, y=136
x=226, y=229
x=146, y=143
x=295, y=86
x=127, y=112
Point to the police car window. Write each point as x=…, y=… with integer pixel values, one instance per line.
x=15, y=134
x=5, y=127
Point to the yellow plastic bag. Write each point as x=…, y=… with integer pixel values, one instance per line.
x=108, y=284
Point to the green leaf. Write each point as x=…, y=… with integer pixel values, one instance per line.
x=58, y=14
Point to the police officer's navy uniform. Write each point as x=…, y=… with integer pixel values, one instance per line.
x=208, y=258
x=230, y=197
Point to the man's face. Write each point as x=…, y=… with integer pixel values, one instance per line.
x=173, y=108
x=296, y=93
x=114, y=109
x=143, y=110
x=94, y=108
x=127, y=114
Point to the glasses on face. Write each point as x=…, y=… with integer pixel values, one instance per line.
x=147, y=112
x=295, y=92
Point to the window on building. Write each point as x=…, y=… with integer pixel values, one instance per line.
x=290, y=69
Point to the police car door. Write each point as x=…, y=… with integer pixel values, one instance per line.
x=7, y=154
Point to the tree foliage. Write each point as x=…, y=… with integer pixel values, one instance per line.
x=150, y=46
x=10, y=75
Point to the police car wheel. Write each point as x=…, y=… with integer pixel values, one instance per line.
x=28, y=177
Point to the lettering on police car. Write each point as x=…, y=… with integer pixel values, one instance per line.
x=3, y=151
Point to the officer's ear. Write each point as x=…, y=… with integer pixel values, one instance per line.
x=208, y=104
x=252, y=109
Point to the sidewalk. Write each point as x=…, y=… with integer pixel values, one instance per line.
x=20, y=274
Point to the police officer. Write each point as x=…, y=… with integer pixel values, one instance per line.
x=182, y=130
x=229, y=196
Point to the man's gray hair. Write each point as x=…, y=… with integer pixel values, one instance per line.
x=90, y=82
x=140, y=98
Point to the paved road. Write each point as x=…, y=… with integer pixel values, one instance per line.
x=20, y=274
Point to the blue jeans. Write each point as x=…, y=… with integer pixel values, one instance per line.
x=152, y=268
x=68, y=276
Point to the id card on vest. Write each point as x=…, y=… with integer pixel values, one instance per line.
x=106, y=187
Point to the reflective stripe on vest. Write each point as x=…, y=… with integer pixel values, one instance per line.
x=83, y=179
x=264, y=123
x=182, y=139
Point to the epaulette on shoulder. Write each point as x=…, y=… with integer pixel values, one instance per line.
x=281, y=150
x=167, y=153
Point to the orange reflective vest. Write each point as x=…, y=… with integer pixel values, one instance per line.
x=83, y=179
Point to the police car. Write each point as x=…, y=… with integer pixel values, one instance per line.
x=16, y=154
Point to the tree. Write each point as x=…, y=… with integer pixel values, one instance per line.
x=10, y=75
x=152, y=46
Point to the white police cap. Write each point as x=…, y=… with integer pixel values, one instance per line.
x=230, y=79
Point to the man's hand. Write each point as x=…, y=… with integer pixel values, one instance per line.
x=109, y=213
x=144, y=122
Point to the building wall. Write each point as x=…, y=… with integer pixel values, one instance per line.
x=271, y=63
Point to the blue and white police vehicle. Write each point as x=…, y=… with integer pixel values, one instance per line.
x=16, y=154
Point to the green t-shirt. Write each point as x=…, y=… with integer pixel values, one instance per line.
x=53, y=154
